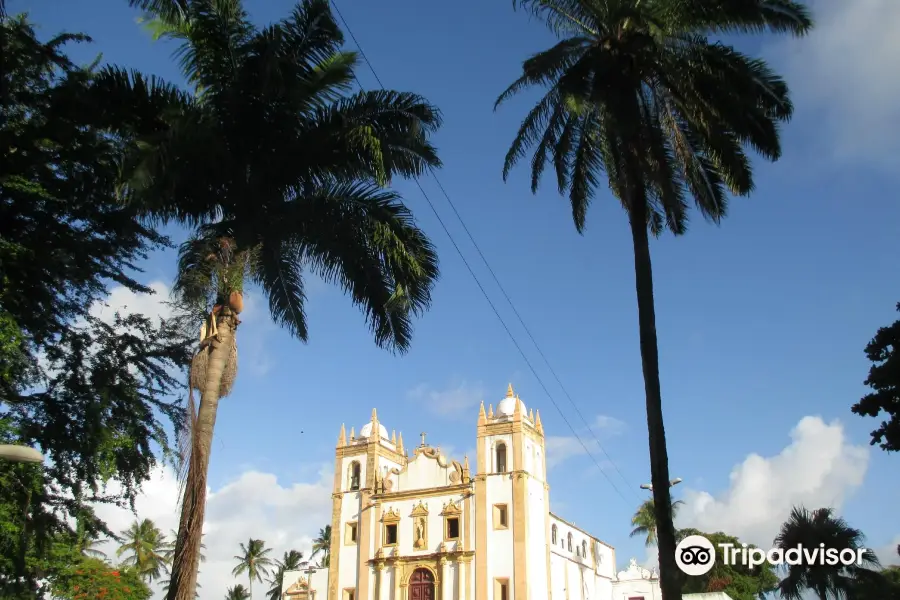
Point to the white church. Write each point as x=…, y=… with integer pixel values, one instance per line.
x=424, y=527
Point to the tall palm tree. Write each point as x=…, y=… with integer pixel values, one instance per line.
x=640, y=91
x=253, y=561
x=644, y=521
x=237, y=592
x=322, y=544
x=290, y=562
x=276, y=158
x=810, y=529
x=145, y=547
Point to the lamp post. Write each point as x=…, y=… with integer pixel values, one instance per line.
x=649, y=486
x=22, y=454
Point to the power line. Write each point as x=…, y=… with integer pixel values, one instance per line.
x=502, y=290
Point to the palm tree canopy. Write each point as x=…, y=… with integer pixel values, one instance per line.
x=237, y=592
x=146, y=549
x=810, y=529
x=253, y=560
x=290, y=562
x=322, y=544
x=275, y=152
x=644, y=520
x=638, y=89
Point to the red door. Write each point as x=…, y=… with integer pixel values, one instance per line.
x=421, y=585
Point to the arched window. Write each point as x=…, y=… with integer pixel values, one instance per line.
x=354, y=475
x=570, y=542
x=553, y=534
x=584, y=548
x=501, y=457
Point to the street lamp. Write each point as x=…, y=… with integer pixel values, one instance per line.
x=649, y=486
x=22, y=454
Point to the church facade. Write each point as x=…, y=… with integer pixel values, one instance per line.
x=421, y=526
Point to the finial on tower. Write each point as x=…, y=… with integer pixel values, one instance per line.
x=490, y=411
x=423, y=434
x=509, y=392
x=537, y=422
x=393, y=437
x=531, y=415
x=400, y=444
x=352, y=434
x=342, y=438
x=517, y=413
x=374, y=416
x=482, y=417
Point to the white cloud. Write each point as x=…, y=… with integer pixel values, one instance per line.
x=459, y=401
x=819, y=468
x=254, y=505
x=843, y=72
x=563, y=447
x=125, y=301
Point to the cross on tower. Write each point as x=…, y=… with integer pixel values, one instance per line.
x=423, y=438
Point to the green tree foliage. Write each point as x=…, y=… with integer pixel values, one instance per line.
x=146, y=549
x=94, y=579
x=738, y=581
x=810, y=529
x=254, y=561
x=644, y=521
x=884, y=379
x=94, y=396
x=237, y=592
x=644, y=94
x=322, y=545
x=290, y=562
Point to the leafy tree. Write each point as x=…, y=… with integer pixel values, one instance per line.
x=884, y=379
x=322, y=544
x=280, y=168
x=94, y=579
x=87, y=541
x=738, y=581
x=253, y=561
x=644, y=521
x=146, y=549
x=290, y=562
x=237, y=592
x=810, y=529
x=93, y=396
x=876, y=585
x=644, y=92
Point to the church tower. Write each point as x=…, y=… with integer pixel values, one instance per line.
x=512, y=504
x=361, y=463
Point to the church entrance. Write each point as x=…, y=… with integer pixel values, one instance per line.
x=421, y=585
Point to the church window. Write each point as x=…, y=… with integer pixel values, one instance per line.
x=501, y=457
x=584, y=548
x=570, y=542
x=501, y=589
x=501, y=516
x=453, y=528
x=354, y=475
x=351, y=533
x=390, y=534
x=554, y=534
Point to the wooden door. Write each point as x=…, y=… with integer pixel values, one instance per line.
x=421, y=585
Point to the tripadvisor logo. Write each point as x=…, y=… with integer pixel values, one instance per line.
x=696, y=555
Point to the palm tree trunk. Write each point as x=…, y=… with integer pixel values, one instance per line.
x=186, y=563
x=670, y=579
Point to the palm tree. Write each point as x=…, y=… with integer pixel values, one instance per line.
x=290, y=562
x=810, y=529
x=276, y=161
x=253, y=561
x=322, y=544
x=644, y=521
x=639, y=92
x=237, y=592
x=86, y=541
x=146, y=548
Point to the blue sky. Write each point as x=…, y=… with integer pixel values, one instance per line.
x=761, y=321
